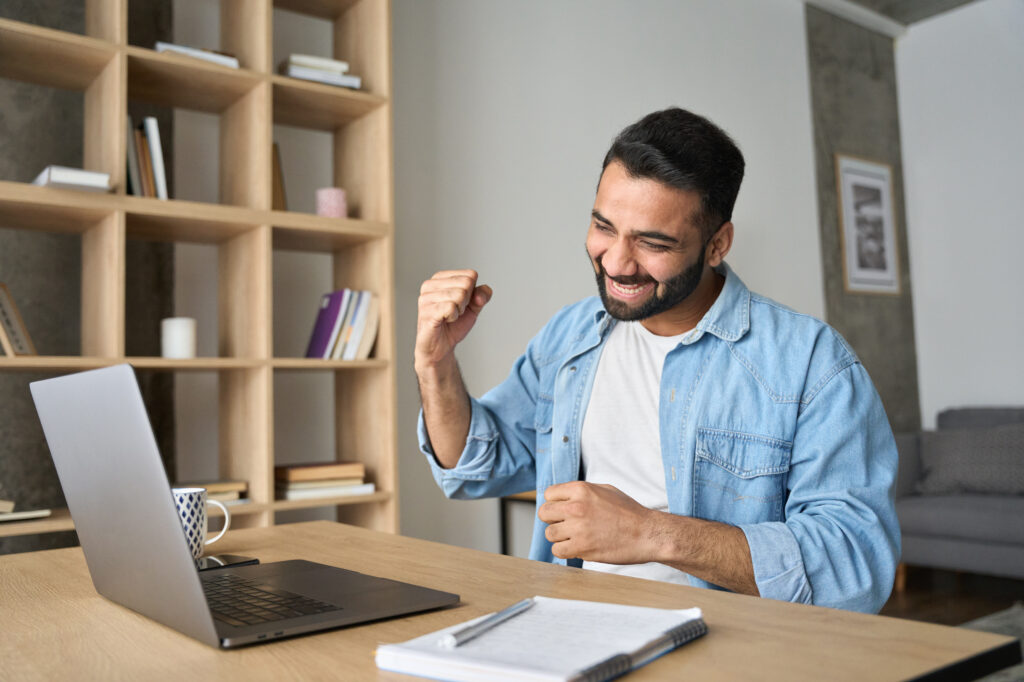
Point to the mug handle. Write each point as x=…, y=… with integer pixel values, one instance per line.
x=227, y=522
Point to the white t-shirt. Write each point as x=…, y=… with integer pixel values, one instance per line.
x=621, y=441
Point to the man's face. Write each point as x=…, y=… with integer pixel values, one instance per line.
x=647, y=252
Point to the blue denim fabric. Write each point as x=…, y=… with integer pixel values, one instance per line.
x=768, y=422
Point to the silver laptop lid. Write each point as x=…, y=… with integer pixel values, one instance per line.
x=120, y=499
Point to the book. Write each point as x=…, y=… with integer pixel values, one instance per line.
x=320, y=483
x=6, y=506
x=134, y=178
x=358, y=326
x=279, y=200
x=216, y=486
x=328, y=77
x=62, y=177
x=146, y=188
x=345, y=331
x=314, y=493
x=156, y=155
x=14, y=336
x=314, y=62
x=25, y=515
x=328, y=324
x=554, y=639
x=199, y=53
x=369, y=334
x=319, y=471
x=223, y=497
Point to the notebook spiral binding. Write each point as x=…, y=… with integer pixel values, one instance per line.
x=621, y=664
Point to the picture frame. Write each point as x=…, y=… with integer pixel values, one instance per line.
x=867, y=226
x=14, y=336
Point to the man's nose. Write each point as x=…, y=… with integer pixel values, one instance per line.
x=618, y=260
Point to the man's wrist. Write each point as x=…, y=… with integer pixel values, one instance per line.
x=440, y=374
x=669, y=537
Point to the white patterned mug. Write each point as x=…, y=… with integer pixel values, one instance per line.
x=191, y=504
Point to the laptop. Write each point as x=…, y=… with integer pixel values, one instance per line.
x=120, y=499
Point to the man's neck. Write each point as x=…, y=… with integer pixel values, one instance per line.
x=690, y=311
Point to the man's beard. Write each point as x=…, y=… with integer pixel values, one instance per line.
x=674, y=292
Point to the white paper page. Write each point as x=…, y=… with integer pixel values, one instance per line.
x=557, y=636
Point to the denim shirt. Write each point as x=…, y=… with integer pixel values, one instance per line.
x=768, y=422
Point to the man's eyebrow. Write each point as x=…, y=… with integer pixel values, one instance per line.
x=646, y=234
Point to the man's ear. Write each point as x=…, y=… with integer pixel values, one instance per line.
x=719, y=245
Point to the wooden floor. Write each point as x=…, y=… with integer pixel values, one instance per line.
x=951, y=598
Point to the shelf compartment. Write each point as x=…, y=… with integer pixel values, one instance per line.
x=306, y=104
x=306, y=232
x=172, y=80
x=324, y=9
x=49, y=57
x=27, y=207
x=187, y=221
x=310, y=364
x=76, y=363
x=59, y=520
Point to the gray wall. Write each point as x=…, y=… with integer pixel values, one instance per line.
x=854, y=105
x=40, y=126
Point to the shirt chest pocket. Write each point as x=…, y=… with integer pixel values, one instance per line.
x=542, y=422
x=740, y=477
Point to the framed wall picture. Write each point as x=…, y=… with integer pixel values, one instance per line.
x=867, y=226
x=14, y=336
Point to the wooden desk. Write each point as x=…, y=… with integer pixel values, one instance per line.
x=55, y=626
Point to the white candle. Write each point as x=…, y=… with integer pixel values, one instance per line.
x=178, y=337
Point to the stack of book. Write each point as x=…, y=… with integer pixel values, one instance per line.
x=63, y=177
x=146, y=174
x=223, y=491
x=320, y=69
x=222, y=58
x=309, y=481
x=346, y=326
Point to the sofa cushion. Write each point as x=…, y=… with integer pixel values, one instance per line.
x=979, y=417
x=973, y=460
x=982, y=518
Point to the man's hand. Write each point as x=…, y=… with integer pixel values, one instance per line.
x=597, y=523
x=449, y=304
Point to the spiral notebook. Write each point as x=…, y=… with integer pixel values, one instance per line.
x=555, y=639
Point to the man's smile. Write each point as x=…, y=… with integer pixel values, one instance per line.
x=629, y=291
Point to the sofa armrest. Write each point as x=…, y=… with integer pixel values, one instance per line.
x=909, y=447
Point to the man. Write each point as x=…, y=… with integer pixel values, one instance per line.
x=678, y=426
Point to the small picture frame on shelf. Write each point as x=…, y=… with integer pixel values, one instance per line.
x=867, y=226
x=14, y=336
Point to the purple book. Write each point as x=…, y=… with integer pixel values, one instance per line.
x=325, y=331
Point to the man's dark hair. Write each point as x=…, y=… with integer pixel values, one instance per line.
x=686, y=151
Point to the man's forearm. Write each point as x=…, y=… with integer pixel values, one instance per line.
x=715, y=552
x=446, y=410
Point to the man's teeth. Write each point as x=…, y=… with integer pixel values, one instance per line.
x=628, y=289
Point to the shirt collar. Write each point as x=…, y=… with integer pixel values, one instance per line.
x=728, y=318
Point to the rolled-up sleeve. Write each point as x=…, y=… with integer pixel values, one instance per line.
x=840, y=541
x=498, y=457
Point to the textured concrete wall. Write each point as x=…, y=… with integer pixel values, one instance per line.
x=854, y=107
x=41, y=126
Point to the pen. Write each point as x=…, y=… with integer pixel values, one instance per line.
x=463, y=635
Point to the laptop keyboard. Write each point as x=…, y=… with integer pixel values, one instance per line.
x=243, y=601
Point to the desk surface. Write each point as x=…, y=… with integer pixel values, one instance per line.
x=55, y=625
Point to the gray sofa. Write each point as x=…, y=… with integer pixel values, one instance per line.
x=960, y=492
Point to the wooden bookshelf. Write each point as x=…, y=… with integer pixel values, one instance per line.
x=245, y=231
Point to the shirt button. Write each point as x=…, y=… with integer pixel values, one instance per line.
x=565, y=439
x=573, y=368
